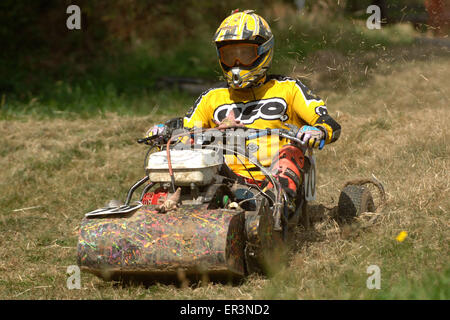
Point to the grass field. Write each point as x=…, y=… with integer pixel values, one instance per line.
x=393, y=108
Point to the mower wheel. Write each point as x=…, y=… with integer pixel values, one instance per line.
x=354, y=200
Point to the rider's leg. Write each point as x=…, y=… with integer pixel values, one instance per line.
x=287, y=167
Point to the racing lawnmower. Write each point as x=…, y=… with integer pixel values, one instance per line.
x=192, y=215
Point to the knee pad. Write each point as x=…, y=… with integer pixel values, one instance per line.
x=287, y=166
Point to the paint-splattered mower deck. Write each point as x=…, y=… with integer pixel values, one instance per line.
x=148, y=244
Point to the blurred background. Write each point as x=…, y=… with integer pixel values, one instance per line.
x=134, y=56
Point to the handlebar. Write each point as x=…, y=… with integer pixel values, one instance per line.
x=254, y=134
x=147, y=139
x=280, y=132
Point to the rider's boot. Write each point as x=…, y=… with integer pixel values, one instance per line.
x=287, y=167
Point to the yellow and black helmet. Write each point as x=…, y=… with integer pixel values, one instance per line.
x=244, y=44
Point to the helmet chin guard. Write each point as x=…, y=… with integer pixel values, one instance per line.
x=236, y=77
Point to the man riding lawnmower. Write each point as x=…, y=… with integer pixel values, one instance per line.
x=253, y=99
x=207, y=216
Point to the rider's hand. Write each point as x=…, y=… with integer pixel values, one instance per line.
x=156, y=130
x=313, y=136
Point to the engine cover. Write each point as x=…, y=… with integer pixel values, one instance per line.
x=189, y=166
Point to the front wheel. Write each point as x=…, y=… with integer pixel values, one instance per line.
x=354, y=200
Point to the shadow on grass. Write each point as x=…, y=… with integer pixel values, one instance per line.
x=325, y=225
x=179, y=279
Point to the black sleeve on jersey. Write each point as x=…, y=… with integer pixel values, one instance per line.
x=336, y=127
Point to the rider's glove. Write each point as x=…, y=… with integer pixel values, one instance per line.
x=156, y=130
x=313, y=136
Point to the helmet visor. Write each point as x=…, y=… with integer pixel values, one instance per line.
x=244, y=53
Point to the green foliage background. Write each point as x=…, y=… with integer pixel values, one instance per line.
x=124, y=48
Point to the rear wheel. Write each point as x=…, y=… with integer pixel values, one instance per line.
x=354, y=200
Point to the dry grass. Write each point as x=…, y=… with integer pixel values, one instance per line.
x=395, y=127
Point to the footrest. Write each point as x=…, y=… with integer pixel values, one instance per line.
x=114, y=210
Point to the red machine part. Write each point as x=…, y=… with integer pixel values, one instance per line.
x=155, y=198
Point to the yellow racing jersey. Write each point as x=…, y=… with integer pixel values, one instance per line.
x=277, y=102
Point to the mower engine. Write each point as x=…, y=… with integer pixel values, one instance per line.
x=189, y=167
